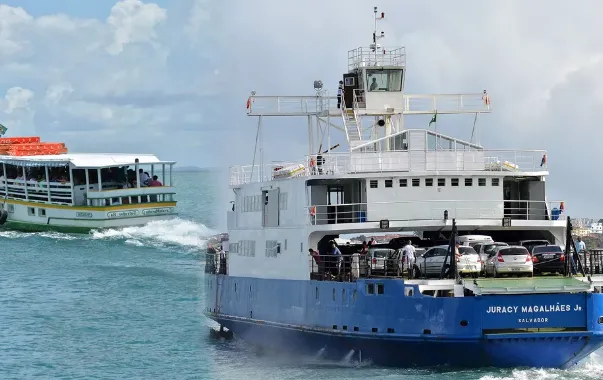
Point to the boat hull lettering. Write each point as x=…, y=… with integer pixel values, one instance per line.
x=122, y=214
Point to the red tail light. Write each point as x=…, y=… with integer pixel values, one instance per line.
x=500, y=258
x=374, y=261
x=528, y=258
x=562, y=258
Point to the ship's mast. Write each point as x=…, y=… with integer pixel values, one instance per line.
x=375, y=47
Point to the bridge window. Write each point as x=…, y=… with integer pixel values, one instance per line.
x=454, y=182
x=403, y=182
x=441, y=182
x=384, y=80
x=428, y=181
x=389, y=183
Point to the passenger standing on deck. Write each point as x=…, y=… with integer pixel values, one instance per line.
x=409, y=253
x=339, y=93
x=580, y=246
x=337, y=254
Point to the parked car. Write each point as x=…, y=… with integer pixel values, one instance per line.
x=511, y=260
x=432, y=261
x=529, y=244
x=548, y=258
x=485, y=249
x=381, y=261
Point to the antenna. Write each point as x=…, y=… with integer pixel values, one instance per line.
x=374, y=46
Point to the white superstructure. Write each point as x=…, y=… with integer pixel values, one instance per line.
x=389, y=177
x=78, y=192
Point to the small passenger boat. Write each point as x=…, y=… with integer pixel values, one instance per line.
x=43, y=187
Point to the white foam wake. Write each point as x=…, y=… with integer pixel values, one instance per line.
x=175, y=232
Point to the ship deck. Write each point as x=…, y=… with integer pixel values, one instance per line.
x=485, y=286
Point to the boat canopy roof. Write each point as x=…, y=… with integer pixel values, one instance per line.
x=84, y=160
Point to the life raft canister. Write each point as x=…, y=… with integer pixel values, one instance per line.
x=313, y=211
x=312, y=162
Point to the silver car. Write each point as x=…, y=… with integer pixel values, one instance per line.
x=512, y=260
x=432, y=261
x=485, y=249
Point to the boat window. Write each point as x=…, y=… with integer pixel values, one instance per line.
x=335, y=195
x=374, y=184
x=403, y=182
x=454, y=182
x=380, y=289
x=428, y=181
x=495, y=181
x=547, y=248
x=416, y=182
x=441, y=181
x=490, y=248
x=481, y=182
x=468, y=181
x=384, y=80
x=389, y=183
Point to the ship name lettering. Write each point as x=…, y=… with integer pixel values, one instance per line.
x=531, y=309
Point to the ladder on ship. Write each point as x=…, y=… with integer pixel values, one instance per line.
x=351, y=125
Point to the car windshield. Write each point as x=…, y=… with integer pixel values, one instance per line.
x=382, y=252
x=513, y=251
x=492, y=247
x=548, y=248
x=467, y=251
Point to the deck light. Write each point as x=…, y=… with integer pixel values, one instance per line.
x=445, y=215
x=382, y=14
x=318, y=85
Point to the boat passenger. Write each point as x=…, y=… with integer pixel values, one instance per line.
x=316, y=258
x=339, y=93
x=364, y=248
x=408, y=253
x=155, y=181
x=144, y=177
x=374, y=85
x=337, y=254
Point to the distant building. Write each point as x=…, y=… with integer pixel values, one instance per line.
x=596, y=228
x=581, y=231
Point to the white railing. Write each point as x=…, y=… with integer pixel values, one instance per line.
x=290, y=105
x=402, y=161
x=147, y=194
x=433, y=210
x=30, y=190
x=446, y=103
x=367, y=57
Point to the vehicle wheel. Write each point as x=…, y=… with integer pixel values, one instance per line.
x=475, y=274
x=416, y=272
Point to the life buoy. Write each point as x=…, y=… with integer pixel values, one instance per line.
x=3, y=216
x=313, y=211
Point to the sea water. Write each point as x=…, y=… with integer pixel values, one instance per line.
x=127, y=304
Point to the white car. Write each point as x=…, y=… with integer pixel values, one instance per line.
x=485, y=249
x=432, y=261
x=381, y=260
x=513, y=260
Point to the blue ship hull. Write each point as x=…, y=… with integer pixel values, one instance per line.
x=392, y=328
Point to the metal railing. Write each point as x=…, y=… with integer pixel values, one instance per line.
x=433, y=210
x=291, y=105
x=36, y=191
x=446, y=103
x=216, y=263
x=367, y=57
x=145, y=194
x=403, y=161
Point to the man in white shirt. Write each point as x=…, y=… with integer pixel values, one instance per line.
x=144, y=177
x=408, y=252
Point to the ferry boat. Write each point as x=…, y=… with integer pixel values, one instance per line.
x=266, y=290
x=42, y=187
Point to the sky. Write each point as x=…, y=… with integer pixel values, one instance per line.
x=172, y=77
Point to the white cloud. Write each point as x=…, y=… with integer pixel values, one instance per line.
x=108, y=84
x=539, y=60
x=133, y=21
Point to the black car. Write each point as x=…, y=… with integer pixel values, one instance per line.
x=548, y=258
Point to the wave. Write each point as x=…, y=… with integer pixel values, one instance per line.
x=161, y=233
